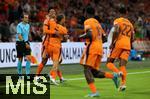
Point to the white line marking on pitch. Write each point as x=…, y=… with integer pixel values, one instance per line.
x=84, y=78
x=127, y=74
x=139, y=72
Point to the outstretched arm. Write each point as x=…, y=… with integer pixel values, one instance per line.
x=46, y=30
x=88, y=34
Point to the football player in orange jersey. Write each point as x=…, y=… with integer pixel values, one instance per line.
x=54, y=49
x=43, y=51
x=60, y=20
x=44, y=42
x=122, y=35
x=93, y=52
x=53, y=44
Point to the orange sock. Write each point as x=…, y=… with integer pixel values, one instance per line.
x=108, y=75
x=112, y=67
x=123, y=69
x=92, y=87
x=59, y=73
x=53, y=74
x=39, y=69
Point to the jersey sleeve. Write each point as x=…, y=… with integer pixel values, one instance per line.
x=62, y=30
x=19, y=29
x=86, y=26
x=101, y=29
x=46, y=29
x=117, y=22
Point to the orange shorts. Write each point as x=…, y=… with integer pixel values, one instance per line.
x=120, y=53
x=54, y=53
x=92, y=60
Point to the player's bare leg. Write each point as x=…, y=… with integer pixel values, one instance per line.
x=41, y=65
x=90, y=80
x=122, y=65
x=103, y=74
x=110, y=65
x=59, y=72
x=53, y=72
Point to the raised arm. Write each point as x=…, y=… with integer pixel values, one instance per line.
x=115, y=33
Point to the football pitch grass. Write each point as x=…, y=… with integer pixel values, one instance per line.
x=138, y=87
x=138, y=82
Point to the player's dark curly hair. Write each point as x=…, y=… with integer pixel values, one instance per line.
x=50, y=8
x=22, y=15
x=60, y=17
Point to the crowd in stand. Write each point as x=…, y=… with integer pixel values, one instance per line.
x=106, y=12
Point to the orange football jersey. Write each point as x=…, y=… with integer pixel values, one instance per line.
x=50, y=30
x=125, y=32
x=96, y=44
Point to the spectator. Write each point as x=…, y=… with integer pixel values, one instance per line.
x=4, y=30
x=13, y=31
x=140, y=29
x=36, y=33
x=106, y=12
x=27, y=7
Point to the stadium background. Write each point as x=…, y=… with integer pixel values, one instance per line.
x=106, y=12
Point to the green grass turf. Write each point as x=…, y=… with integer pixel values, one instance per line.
x=138, y=87
x=76, y=68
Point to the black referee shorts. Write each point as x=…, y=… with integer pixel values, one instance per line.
x=21, y=49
